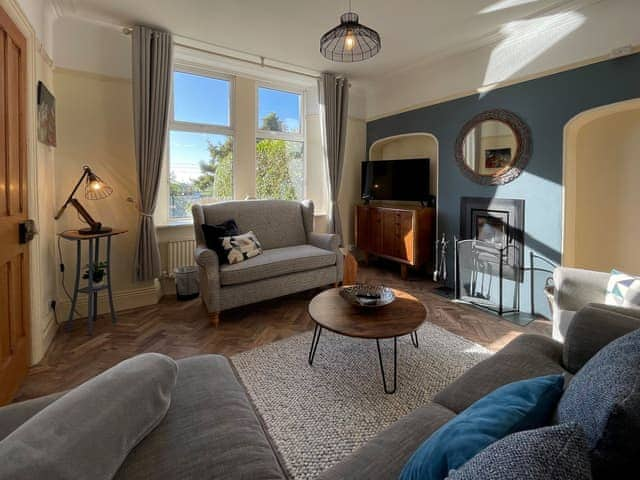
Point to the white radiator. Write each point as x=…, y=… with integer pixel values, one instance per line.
x=179, y=254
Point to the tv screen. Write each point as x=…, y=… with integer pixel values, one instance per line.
x=396, y=180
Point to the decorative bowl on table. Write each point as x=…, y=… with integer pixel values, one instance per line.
x=371, y=296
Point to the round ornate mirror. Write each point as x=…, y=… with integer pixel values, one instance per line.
x=493, y=147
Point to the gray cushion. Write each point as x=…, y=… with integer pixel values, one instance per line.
x=558, y=452
x=277, y=223
x=15, y=414
x=604, y=398
x=211, y=431
x=276, y=262
x=594, y=327
x=88, y=432
x=525, y=357
x=385, y=455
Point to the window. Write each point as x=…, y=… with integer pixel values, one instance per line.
x=279, y=145
x=200, y=143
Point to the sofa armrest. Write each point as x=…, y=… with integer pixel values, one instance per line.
x=592, y=328
x=206, y=258
x=326, y=241
x=576, y=288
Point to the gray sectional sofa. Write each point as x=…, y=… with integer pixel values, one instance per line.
x=295, y=258
x=212, y=431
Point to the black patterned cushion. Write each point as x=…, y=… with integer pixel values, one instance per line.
x=239, y=248
x=558, y=452
x=213, y=234
x=604, y=398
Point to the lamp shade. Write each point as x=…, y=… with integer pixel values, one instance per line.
x=350, y=41
x=95, y=188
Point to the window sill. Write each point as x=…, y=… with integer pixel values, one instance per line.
x=174, y=225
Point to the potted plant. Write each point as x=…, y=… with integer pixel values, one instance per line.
x=99, y=269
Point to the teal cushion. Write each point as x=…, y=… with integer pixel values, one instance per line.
x=518, y=406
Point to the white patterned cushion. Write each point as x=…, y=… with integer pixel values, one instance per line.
x=623, y=290
x=558, y=452
x=239, y=248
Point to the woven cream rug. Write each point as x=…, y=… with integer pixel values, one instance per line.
x=319, y=414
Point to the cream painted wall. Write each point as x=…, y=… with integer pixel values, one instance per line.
x=355, y=154
x=95, y=127
x=606, y=194
x=524, y=49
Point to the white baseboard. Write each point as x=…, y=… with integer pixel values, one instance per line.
x=122, y=300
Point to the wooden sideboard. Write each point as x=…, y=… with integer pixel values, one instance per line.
x=402, y=234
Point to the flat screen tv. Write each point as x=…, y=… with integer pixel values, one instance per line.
x=406, y=180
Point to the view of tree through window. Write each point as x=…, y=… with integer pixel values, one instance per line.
x=201, y=144
x=279, y=146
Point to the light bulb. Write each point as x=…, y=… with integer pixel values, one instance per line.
x=349, y=41
x=96, y=185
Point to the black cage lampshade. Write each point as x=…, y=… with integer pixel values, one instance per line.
x=95, y=188
x=350, y=41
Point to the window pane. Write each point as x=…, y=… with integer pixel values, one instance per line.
x=199, y=99
x=278, y=111
x=280, y=169
x=200, y=170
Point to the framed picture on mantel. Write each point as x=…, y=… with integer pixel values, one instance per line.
x=46, y=116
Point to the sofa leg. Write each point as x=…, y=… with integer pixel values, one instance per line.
x=336, y=284
x=214, y=318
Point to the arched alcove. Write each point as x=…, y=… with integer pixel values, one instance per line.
x=409, y=145
x=601, y=194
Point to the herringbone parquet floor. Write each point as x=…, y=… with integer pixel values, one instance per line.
x=182, y=329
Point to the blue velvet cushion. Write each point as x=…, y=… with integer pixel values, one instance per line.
x=604, y=398
x=514, y=407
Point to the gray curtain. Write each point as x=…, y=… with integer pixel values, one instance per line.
x=151, y=94
x=333, y=94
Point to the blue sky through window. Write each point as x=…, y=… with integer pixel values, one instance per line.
x=199, y=99
x=285, y=104
x=187, y=150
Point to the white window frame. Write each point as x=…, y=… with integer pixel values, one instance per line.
x=300, y=136
x=193, y=127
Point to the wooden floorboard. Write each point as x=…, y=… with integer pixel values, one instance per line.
x=182, y=329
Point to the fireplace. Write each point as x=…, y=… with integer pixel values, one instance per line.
x=497, y=221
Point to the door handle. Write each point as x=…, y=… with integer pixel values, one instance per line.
x=26, y=231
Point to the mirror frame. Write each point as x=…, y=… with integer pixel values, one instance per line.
x=522, y=155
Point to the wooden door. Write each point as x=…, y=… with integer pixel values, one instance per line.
x=14, y=257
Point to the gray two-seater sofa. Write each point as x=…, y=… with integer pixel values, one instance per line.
x=212, y=431
x=295, y=258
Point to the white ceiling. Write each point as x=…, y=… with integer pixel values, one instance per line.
x=412, y=31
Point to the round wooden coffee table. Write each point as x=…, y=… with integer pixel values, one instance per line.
x=402, y=317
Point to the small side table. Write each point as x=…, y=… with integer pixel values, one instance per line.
x=91, y=289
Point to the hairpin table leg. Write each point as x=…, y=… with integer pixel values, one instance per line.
x=395, y=365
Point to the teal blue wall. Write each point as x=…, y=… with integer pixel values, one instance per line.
x=546, y=105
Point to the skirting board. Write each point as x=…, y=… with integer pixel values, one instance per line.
x=123, y=300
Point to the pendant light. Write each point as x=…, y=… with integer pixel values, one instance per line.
x=350, y=41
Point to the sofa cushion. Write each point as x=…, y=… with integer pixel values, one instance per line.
x=239, y=248
x=525, y=357
x=623, y=290
x=213, y=234
x=549, y=452
x=385, y=455
x=604, y=398
x=277, y=262
x=15, y=414
x=277, y=223
x=511, y=408
x=210, y=431
x=89, y=431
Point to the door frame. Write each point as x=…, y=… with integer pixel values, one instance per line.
x=42, y=322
